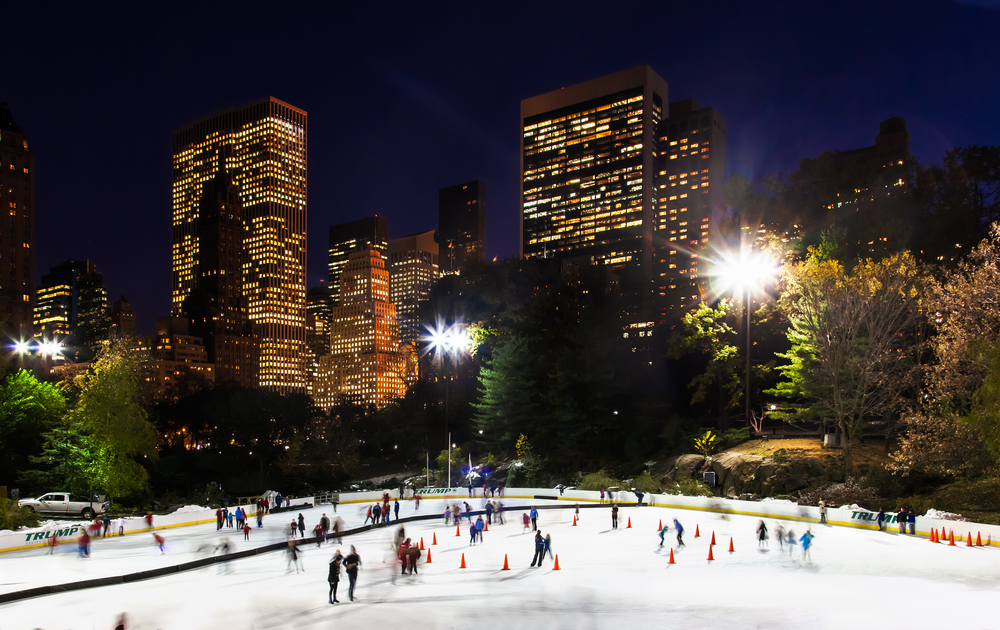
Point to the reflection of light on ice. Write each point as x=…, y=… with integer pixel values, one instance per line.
x=608, y=578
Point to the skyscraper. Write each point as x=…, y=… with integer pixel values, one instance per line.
x=319, y=315
x=364, y=359
x=689, y=183
x=462, y=225
x=123, y=318
x=588, y=164
x=179, y=360
x=259, y=151
x=346, y=238
x=72, y=306
x=17, y=237
x=413, y=270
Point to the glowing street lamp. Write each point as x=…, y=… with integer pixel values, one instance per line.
x=452, y=341
x=750, y=272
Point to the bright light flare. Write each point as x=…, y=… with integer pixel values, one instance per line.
x=453, y=340
x=21, y=347
x=749, y=272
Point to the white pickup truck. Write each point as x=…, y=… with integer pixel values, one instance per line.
x=65, y=504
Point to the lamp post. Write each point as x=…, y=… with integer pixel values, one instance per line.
x=450, y=341
x=743, y=275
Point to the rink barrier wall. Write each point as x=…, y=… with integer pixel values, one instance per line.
x=40, y=536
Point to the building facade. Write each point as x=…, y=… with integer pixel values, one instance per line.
x=462, y=226
x=17, y=235
x=123, y=318
x=588, y=164
x=179, y=360
x=369, y=233
x=319, y=316
x=689, y=184
x=71, y=306
x=413, y=270
x=364, y=360
x=263, y=152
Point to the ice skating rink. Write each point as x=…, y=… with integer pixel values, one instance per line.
x=607, y=579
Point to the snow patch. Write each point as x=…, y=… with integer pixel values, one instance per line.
x=189, y=508
x=945, y=516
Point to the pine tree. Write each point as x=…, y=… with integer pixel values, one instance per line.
x=508, y=403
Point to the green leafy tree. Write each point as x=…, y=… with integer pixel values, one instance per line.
x=28, y=409
x=851, y=356
x=706, y=332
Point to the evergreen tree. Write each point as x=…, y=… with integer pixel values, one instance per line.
x=508, y=402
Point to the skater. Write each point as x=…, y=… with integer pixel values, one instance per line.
x=395, y=509
x=822, y=511
x=149, y=520
x=338, y=530
x=302, y=525
x=246, y=531
x=106, y=522
x=369, y=516
x=663, y=532
x=527, y=522
x=447, y=515
x=680, y=533
x=260, y=518
x=911, y=518
x=218, y=519
x=121, y=526
x=158, y=541
x=470, y=489
x=351, y=564
x=402, y=553
x=761, y=534
x=83, y=543
x=468, y=511
x=901, y=520
x=376, y=514
x=639, y=496
x=293, y=557
x=53, y=542
x=779, y=535
x=489, y=512
x=534, y=519
x=334, y=576
x=229, y=517
x=291, y=528
x=324, y=525
x=792, y=542
x=539, y=549
x=548, y=546
x=473, y=534
x=880, y=519
x=416, y=503
x=806, y=541
x=480, y=526
x=498, y=508
x=614, y=516
x=576, y=512
x=602, y=495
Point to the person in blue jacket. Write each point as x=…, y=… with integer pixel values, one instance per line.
x=806, y=541
x=880, y=519
x=534, y=519
x=911, y=518
x=489, y=512
x=473, y=534
x=395, y=508
x=539, y=549
x=680, y=533
x=663, y=532
x=480, y=525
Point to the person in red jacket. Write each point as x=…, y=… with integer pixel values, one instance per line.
x=246, y=530
x=158, y=541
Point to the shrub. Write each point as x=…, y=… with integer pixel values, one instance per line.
x=690, y=488
x=847, y=493
x=646, y=483
x=598, y=481
x=13, y=516
x=732, y=437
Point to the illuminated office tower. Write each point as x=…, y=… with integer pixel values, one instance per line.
x=688, y=205
x=588, y=162
x=263, y=148
x=346, y=238
x=319, y=315
x=71, y=306
x=179, y=360
x=462, y=226
x=123, y=318
x=413, y=270
x=364, y=360
x=17, y=235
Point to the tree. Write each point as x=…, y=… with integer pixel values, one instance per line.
x=111, y=416
x=851, y=352
x=707, y=332
x=508, y=400
x=28, y=409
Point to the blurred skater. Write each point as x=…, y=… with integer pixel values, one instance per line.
x=158, y=541
x=792, y=542
x=351, y=564
x=527, y=522
x=822, y=511
x=293, y=557
x=447, y=515
x=614, y=516
x=83, y=544
x=761, y=534
x=121, y=526
x=663, y=532
x=779, y=535
x=369, y=516
x=539, y=549
x=806, y=541
x=53, y=542
x=576, y=512
x=680, y=533
x=416, y=502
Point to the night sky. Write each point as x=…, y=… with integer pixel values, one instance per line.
x=405, y=99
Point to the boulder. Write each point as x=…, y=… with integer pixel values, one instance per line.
x=735, y=471
x=681, y=467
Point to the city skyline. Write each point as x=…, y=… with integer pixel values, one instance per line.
x=785, y=93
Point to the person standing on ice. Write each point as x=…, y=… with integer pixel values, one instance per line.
x=822, y=511
x=416, y=503
x=333, y=577
x=351, y=564
x=480, y=526
x=806, y=541
x=791, y=542
x=614, y=516
x=911, y=518
x=548, y=545
x=369, y=515
x=395, y=508
x=761, y=534
x=376, y=513
x=680, y=533
x=539, y=549
x=473, y=534
x=527, y=522
x=880, y=519
x=534, y=519
x=447, y=515
x=779, y=535
x=489, y=512
x=302, y=525
x=246, y=531
x=901, y=520
x=106, y=522
x=121, y=526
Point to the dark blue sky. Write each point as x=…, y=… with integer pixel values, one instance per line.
x=406, y=98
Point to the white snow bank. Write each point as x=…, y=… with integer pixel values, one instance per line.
x=189, y=508
x=770, y=500
x=854, y=506
x=945, y=516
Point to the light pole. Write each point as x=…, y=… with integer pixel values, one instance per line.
x=748, y=273
x=453, y=340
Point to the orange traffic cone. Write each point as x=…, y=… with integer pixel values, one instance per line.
x=710, y=558
x=932, y=535
x=731, y=550
x=428, y=561
x=462, y=566
x=979, y=540
x=629, y=523
x=671, y=561
x=434, y=540
x=556, y=567
x=713, y=538
x=421, y=543
x=968, y=540
x=660, y=526
x=951, y=539
x=506, y=567
x=458, y=529
x=486, y=526
x=574, y=520
x=697, y=534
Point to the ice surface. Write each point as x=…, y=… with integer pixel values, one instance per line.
x=608, y=579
